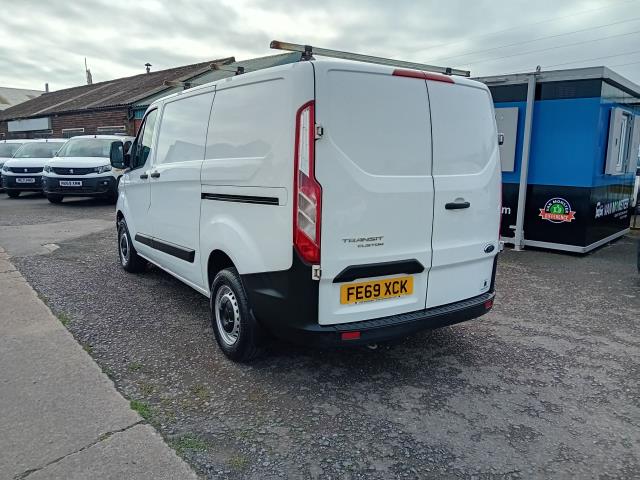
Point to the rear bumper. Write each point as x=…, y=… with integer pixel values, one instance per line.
x=91, y=186
x=389, y=328
x=286, y=303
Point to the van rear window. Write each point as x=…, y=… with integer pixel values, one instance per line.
x=380, y=122
x=464, y=131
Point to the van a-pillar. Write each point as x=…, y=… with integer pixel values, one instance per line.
x=518, y=239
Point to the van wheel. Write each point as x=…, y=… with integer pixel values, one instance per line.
x=129, y=258
x=13, y=193
x=236, y=329
x=55, y=198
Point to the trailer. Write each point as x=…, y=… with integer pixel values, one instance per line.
x=569, y=156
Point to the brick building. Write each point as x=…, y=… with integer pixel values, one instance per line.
x=114, y=106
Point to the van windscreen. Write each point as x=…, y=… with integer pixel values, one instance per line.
x=38, y=150
x=86, y=147
x=8, y=149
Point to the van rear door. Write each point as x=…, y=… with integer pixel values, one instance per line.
x=373, y=163
x=466, y=177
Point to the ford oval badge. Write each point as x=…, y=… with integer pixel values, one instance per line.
x=489, y=248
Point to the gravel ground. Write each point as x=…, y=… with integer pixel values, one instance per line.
x=546, y=385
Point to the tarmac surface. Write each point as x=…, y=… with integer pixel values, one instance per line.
x=547, y=385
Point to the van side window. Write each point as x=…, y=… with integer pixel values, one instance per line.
x=250, y=131
x=142, y=145
x=183, y=129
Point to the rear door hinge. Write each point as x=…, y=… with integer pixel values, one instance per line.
x=316, y=272
x=319, y=131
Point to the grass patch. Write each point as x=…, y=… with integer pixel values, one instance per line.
x=200, y=391
x=189, y=442
x=238, y=462
x=146, y=388
x=134, y=366
x=87, y=348
x=64, y=319
x=143, y=409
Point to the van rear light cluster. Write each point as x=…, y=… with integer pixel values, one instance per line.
x=307, y=191
x=436, y=77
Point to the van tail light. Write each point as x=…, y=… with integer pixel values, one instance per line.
x=307, y=191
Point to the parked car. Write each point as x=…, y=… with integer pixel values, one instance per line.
x=23, y=172
x=7, y=150
x=332, y=203
x=82, y=168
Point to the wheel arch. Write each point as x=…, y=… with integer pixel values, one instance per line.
x=217, y=261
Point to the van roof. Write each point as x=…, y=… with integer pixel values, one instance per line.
x=49, y=140
x=106, y=137
x=324, y=63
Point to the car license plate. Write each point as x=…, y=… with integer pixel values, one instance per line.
x=70, y=183
x=376, y=290
x=25, y=180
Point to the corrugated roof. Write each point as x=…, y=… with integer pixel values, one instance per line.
x=14, y=96
x=208, y=75
x=139, y=90
x=121, y=91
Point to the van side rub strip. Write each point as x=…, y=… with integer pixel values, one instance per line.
x=222, y=197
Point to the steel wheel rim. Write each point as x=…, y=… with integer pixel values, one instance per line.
x=227, y=315
x=124, y=248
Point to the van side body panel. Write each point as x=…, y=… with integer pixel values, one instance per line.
x=247, y=173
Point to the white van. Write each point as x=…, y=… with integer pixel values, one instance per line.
x=334, y=203
x=82, y=168
x=23, y=172
x=7, y=149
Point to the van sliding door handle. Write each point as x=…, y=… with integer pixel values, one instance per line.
x=144, y=176
x=155, y=175
x=457, y=205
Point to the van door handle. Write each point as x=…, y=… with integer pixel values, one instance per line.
x=457, y=205
x=155, y=175
x=144, y=176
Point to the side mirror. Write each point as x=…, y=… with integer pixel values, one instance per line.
x=117, y=156
x=500, y=138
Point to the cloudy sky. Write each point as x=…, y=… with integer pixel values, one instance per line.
x=47, y=41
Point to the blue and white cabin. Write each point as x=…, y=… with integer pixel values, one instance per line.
x=583, y=152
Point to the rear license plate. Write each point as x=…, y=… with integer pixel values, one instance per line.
x=25, y=180
x=70, y=183
x=376, y=290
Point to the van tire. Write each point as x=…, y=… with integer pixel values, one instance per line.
x=55, y=198
x=236, y=330
x=129, y=258
x=13, y=193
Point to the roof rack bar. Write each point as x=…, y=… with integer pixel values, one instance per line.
x=222, y=61
x=308, y=51
x=178, y=83
x=238, y=69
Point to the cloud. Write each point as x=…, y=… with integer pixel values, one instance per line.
x=47, y=42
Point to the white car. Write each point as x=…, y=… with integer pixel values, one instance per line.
x=331, y=203
x=82, y=168
x=23, y=172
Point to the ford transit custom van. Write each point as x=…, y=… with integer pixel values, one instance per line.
x=325, y=202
